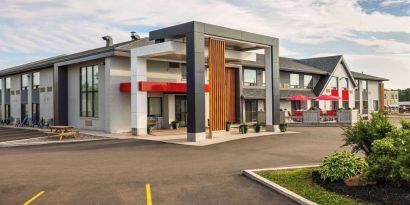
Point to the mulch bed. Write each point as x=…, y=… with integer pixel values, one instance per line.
x=376, y=194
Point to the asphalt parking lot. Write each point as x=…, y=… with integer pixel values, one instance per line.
x=117, y=171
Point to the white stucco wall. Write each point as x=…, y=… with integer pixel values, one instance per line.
x=373, y=94
x=74, y=118
x=118, y=104
x=46, y=97
x=159, y=71
x=15, y=100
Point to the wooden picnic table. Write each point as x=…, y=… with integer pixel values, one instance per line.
x=62, y=131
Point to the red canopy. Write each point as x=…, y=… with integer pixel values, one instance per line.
x=327, y=97
x=299, y=98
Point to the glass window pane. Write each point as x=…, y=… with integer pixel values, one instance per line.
x=83, y=79
x=89, y=78
x=8, y=83
x=96, y=104
x=24, y=80
x=89, y=104
x=36, y=79
x=154, y=106
x=308, y=81
x=249, y=77
x=83, y=104
x=364, y=84
x=96, y=78
x=294, y=80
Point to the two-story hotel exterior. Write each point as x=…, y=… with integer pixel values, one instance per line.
x=198, y=74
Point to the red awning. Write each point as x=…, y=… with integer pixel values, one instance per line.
x=159, y=87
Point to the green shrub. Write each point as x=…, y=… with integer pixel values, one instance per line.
x=390, y=159
x=340, y=166
x=363, y=133
x=405, y=124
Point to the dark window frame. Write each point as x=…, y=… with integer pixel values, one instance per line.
x=94, y=91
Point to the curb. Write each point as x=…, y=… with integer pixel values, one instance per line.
x=251, y=173
x=11, y=144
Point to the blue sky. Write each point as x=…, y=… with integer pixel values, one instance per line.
x=373, y=35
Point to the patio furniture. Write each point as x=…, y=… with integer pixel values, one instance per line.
x=62, y=131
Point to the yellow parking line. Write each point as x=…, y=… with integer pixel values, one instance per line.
x=34, y=198
x=148, y=189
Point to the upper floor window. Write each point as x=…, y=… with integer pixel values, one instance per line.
x=307, y=81
x=36, y=80
x=183, y=72
x=364, y=84
x=8, y=83
x=344, y=83
x=24, y=81
x=333, y=83
x=357, y=83
x=294, y=80
x=1, y=84
x=89, y=82
x=249, y=77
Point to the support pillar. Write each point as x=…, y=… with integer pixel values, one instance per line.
x=138, y=98
x=195, y=59
x=60, y=92
x=272, y=88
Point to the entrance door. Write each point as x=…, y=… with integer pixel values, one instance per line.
x=181, y=110
x=231, y=93
x=251, y=109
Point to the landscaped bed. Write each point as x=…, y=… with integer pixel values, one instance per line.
x=307, y=183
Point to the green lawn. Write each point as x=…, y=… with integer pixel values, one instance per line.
x=300, y=182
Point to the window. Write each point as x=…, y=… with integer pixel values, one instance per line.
x=252, y=107
x=294, y=80
x=8, y=83
x=24, y=81
x=345, y=105
x=376, y=105
x=357, y=104
x=154, y=106
x=335, y=105
x=1, y=84
x=307, y=81
x=36, y=80
x=89, y=82
x=295, y=105
x=333, y=83
x=364, y=84
x=249, y=77
x=314, y=103
x=344, y=83
x=183, y=72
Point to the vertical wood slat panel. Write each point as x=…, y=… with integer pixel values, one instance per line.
x=217, y=86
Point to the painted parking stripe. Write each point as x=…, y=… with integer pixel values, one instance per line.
x=148, y=189
x=34, y=198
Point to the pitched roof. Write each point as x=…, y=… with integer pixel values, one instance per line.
x=49, y=62
x=289, y=64
x=327, y=63
x=367, y=77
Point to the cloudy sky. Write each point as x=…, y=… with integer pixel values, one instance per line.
x=373, y=35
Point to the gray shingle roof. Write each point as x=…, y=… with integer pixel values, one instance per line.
x=327, y=63
x=49, y=62
x=367, y=77
x=289, y=64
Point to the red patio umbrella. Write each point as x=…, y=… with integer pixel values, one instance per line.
x=299, y=98
x=327, y=97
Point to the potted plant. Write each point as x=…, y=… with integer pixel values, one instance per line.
x=150, y=128
x=257, y=127
x=283, y=127
x=228, y=126
x=175, y=125
x=243, y=128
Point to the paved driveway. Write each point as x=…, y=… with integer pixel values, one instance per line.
x=116, y=171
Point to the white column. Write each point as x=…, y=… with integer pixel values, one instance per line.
x=138, y=98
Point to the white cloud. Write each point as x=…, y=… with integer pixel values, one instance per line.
x=73, y=25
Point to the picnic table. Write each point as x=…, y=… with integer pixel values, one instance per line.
x=62, y=131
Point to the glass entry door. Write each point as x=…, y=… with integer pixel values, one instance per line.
x=181, y=110
x=251, y=109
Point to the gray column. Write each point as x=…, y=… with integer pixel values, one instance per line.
x=60, y=92
x=272, y=88
x=196, y=86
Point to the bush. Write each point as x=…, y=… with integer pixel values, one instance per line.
x=405, y=124
x=390, y=159
x=363, y=133
x=340, y=166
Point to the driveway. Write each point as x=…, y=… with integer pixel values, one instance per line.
x=116, y=171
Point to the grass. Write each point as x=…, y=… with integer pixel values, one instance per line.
x=300, y=182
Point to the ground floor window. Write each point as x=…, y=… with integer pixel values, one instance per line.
x=335, y=105
x=345, y=105
x=357, y=105
x=365, y=105
x=253, y=108
x=24, y=111
x=314, y=103
x=376, y=105
x=295, y=105
x=35, y=112
x=155, y=106
x=181, y=110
